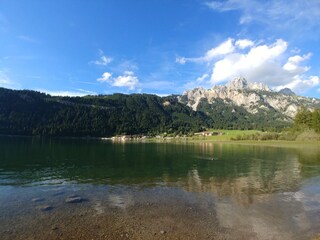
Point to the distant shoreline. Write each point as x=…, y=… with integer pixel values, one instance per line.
x=271, y=143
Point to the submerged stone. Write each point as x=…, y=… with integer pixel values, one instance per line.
x=37, y=199
x=74, y=199
x=53, y=227
x=45, y=208
x=58, y=193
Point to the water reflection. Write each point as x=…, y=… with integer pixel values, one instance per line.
x=224, y=169
x=252, y=171
x=273, y=192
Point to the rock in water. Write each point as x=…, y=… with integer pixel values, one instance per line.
x=74, y=199
x=45, y=208
x=53, y=227
x=37, y=199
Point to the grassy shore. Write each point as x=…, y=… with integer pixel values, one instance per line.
x=225, y=135
x=229, y=136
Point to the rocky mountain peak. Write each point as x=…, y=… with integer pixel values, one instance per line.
x=242, y=83
x=253, y=97
x=238, y=83
x=259, y=86
x=287, y=91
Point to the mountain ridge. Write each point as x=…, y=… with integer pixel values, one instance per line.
x=238, y=105
x=253, y=97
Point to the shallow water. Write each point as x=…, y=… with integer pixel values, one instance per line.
x=157, y=190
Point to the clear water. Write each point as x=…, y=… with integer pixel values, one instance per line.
x=269, y=192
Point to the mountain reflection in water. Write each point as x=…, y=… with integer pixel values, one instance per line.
x=270, y=191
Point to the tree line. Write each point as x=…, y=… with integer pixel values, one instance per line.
x=306, y=127
x=307, y=119
x=33, y=113
x=24, y=112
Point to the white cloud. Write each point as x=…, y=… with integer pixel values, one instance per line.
x=202, y=78
x=224, y=48
x=295, y=14
x=293, y=64
x=103, y=59
x=200, y=81
x=105, y=77
x=161, y=94
x=267, y=63
x=244, y=43
x=181, y=60
x=6, y=82
x=77, y=93
x=301, y=83
x=128, y=79
x=86, y=91
x=254, y=64
x=223, y=6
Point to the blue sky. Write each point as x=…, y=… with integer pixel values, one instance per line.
x=79, y=47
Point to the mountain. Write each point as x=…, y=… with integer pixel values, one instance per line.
x=242, y=83
x=287, y=91
x=237, y=105
x=24, y=112
x=253, y=98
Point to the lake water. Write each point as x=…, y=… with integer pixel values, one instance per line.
x=157, y=190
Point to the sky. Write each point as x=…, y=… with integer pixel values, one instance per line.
x=79, y=47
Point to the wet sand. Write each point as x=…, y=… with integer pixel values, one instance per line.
x=111, y=213
x=122, y=218
x=137, y=222
x=124, y=213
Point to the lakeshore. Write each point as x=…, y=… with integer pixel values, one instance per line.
x=214, y=136
x=84, y=189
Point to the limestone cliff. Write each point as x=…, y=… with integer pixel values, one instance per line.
x=253, y=97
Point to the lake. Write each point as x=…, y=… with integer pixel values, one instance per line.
x=92, y=189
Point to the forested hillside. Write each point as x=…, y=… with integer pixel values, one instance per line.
x=24, y=112
x=306, y=119
x=33, y=113
x=231, y=116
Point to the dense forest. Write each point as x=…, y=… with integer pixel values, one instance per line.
x=24, y=112
x=306, y=119
x=33, y=113
x=306, y=127
x=225, y=116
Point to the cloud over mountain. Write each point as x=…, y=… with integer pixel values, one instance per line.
x=271, y=64
x=127, y=79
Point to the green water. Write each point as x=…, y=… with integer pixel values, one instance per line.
x=275, y=185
